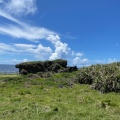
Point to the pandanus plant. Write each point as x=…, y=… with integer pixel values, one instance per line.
x=105, y=78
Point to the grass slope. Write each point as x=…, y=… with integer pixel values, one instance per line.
x=26, y=98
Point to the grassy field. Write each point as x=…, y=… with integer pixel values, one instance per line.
x=58, y=97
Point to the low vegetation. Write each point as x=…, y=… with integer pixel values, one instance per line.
x=91, y=93
x=105, y=78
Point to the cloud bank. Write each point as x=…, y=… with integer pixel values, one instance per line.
x=19, y=7
x=12, y=10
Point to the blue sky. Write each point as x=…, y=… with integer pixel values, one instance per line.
x=84, y=32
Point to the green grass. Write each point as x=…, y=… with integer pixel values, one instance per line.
x=33, y=98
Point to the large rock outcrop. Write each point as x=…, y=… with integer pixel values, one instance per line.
x=58, y=65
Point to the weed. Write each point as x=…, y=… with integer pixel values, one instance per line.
x=55, y=109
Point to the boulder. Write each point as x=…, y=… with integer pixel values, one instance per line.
x=61, y=62
x=23, y=72
x=55, y=67
x=47, y=64
x=58, y=65
x=31, y=67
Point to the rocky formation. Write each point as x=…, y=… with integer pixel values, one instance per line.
x=57, y=66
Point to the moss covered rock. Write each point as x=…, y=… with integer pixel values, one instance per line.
x=31, y=67
x=44, y=66
x=55, y=67
x=61, y=62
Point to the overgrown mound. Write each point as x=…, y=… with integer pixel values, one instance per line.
x=105, y=78
x=58, y=65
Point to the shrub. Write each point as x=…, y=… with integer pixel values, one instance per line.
x=105, y=78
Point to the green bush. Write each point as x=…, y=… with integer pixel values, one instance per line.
x=105, y=78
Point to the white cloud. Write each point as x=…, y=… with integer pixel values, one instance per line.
x=39, y=52
x=53, y=38
x=61, y=49
x=32, y=48
x=80, y=62
x=45, y=49
x=4, y=48
x=22, y=30
x=32, y=33
x=112, y=60
x=13, y=61
x=9, y=17
x=26, y=32
x=77, y=54
x=20, y=7
x=25, y=46
x=18, y=61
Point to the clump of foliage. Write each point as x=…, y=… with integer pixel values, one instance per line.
x=105, y=78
